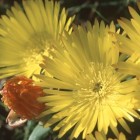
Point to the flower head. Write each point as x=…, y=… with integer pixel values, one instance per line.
x=20, y=95
x=25, y=35
x=86, y=90
x=131, y=27
x=129, y=44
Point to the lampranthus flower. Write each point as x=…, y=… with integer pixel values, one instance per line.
x=129, y=44
x=131, y=27
x=86, y=90
x=25, y=35
x=20, y=95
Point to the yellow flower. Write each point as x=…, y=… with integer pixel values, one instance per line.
x=86, y=90
x=131, y=27
x=130, y=44
x=101, y=136
x=25, y=35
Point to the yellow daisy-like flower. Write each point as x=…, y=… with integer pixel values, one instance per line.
x=130, y=44
x=131, y=27
x=85, y=90
x=25, y=34
x=101, y=136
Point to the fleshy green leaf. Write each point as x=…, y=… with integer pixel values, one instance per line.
x=39, y=133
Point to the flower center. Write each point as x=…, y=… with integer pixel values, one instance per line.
x=36, y=46
x=97, y=82
x=97, y=87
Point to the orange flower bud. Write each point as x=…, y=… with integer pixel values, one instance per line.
x=20, y=95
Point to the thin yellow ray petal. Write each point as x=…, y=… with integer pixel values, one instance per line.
x=99, y=136
x=124, y=125
x=134, y=14
x=122, y=136
x=138, y=138
x=114, y=130
x=93, y=121
x=128, y=68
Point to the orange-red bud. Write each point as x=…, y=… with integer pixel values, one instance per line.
x=20, y=95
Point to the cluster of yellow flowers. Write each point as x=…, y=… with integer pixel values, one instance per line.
x=86, y=77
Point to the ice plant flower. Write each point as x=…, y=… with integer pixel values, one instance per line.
x=25, y=34
x=130, y=44
x=86, y=90
x=101, y=136
x=20, y=95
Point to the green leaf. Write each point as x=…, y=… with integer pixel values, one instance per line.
x=39, y=133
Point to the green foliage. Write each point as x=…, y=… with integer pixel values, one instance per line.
x=39, y=133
